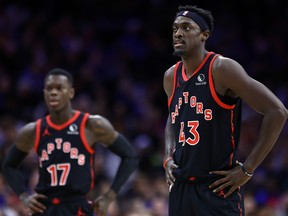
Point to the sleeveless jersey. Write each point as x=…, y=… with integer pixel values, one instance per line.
x=206, y=128
x=65, y=158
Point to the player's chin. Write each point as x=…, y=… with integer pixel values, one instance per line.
x=179, y=52
x=54, y=108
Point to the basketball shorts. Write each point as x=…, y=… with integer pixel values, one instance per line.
x=196, y=199
x=70, y=206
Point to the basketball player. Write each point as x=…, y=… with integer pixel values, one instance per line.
x=204, y=93
x=64, y=141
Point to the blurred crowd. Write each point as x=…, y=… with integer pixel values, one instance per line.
x=118, y=52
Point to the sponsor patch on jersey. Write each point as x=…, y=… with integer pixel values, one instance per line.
x=201, y=80
x=73, y=129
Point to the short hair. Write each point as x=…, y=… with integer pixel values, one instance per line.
x=59, y=71
x=205, y=14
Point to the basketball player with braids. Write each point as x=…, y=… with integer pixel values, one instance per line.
x=204, y=93
x=65, y=141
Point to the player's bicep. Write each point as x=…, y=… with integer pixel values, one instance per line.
x=229, y=77
x=252, y=92
x=259, y=97
x=168, y=81
x=103, y=130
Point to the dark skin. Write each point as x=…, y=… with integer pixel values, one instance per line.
x=58, y=93
x=189, y=43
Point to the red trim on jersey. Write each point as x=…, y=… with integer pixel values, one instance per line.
x=239, y=203
x=232, y=137
x=82, y=134
x=37, y=134
x=197, y=69
x=60, y=127
x=174, y=83
x=88, y=148
x=92, y=171
x=213, y=91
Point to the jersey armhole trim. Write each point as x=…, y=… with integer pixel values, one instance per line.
x=92, y=172
x=213, y=91
x=174, y=83
x=37, y=134
x=82, y=134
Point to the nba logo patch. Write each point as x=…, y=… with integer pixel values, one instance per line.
x=73, y=129
x=185, y=12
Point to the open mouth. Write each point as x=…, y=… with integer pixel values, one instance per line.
x=53, y=103
x=178, y=43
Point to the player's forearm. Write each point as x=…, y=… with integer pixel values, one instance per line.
x=271, y=127
x=126, y=168
x=12, y=174
x=129, y=161
x=14, y=179
x=169, y=140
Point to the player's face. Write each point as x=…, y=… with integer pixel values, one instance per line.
x=186, y=36
x=57, y=92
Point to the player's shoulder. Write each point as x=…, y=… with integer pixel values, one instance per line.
x=170, y=71
x=222, y=62
x=28, y=129
x=226, y=70
x=172, y=68
x=97, y=120
x=31, y=126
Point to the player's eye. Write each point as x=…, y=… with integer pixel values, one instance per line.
x=186, y=27
x=174, y=28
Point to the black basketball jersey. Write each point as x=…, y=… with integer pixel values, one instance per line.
x=206, y=125
x=65, y=158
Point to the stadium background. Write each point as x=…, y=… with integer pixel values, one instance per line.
x=118, y=52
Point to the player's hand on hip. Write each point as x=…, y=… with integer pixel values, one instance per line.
x=101, y=204
x=233, y=178
x=33, y=203
x=169, y=168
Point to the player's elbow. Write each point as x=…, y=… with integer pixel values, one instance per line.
x=283, y=112
x=133, y=158
x=7, y=168
x=280, y=114
x=7, y=165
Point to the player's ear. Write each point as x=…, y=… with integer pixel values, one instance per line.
x=72, y=93
x=205, y=35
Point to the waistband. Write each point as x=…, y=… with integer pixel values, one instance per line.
x=56, y=200
x=200, y=180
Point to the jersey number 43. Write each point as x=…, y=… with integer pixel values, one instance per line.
x=193, y=136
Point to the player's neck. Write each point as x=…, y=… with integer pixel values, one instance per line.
x=193, y=61
x=62, y=116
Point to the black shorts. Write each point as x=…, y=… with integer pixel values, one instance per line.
x=69, y=206
x=196, y=199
